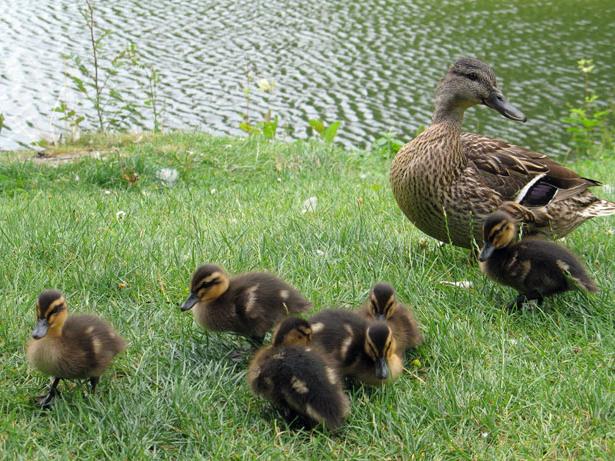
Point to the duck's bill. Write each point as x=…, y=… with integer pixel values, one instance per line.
x=486, y=252
x=190, y=302
x=42, y=326
x=496, y=101
x=382, y=370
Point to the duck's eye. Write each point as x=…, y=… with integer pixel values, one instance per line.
x=209, y=284
x=473, y=76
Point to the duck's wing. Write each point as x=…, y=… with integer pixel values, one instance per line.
x=517, y=174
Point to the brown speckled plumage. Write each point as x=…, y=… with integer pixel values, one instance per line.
x=446, y=181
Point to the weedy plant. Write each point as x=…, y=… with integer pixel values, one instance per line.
x=587, y=125
x=326, y=132
x=387, y=145
x=268, y=125
x=95, y=79
x=2, y=123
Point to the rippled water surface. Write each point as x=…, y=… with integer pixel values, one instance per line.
x=371, y=64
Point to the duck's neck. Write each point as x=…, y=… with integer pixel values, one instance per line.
x=448, y=110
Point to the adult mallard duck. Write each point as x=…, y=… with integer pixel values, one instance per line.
x=447, y=182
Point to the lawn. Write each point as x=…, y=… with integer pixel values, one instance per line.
x=489, y=384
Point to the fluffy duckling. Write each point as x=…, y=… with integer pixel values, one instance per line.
x=366, y=351
x=383, y=305
x=535, y=268
x=80, y=346
x=248, y=304
x=297, y=379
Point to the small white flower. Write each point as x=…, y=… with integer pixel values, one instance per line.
x=610, y=231
x=320, y=253
x=213, y=191
x=120, y=215
x=266, y=85
x=484, y=435
x=107, y=192
x=279, y=179
x=461, y=284
x=513, y=342
x=309, y=206
x=169, y=176
x=77, y=178
x=363, y=176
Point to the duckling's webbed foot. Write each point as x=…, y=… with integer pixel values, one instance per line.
x=517, y=303
x=93, y=383
x=522, y=299
x=45, y=400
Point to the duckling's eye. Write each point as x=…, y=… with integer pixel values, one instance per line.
x=473, y=76
x=209, y=284
x=55, y=311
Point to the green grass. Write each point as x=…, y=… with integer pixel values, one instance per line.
x=491, y=384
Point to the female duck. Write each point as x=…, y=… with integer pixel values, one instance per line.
x=80, y=346
x=534, y=267
x=383, y=305
x=366, y=351
x=248, y=304
x=446, y=182
x=297, y=379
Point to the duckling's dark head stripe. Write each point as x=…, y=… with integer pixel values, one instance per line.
x=48, y=301
x=378, y=334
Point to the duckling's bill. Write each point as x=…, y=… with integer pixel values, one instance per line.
x=486, y=252
x=42, y=326
x=382, y=369
x=190, y=302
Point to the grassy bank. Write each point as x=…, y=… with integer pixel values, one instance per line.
x=490, y=384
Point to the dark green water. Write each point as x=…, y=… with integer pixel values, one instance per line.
x=371, y=64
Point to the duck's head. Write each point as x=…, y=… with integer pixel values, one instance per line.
x=209, y=282
x=380, y=347
x=51, y=313
x=382, y=301
x=470, y=82
x=293, y=331
x=499, y=231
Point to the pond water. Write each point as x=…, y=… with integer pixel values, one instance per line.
x=373, y=64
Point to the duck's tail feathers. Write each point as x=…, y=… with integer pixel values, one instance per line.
x=578, y=277
x=599, y=208
x=332, y=412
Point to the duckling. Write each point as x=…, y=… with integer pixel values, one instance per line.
x=80, y=346
x=248, y=304
x=535, y=268
x=297, y=379
x=383, y=305
x=366, y=351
